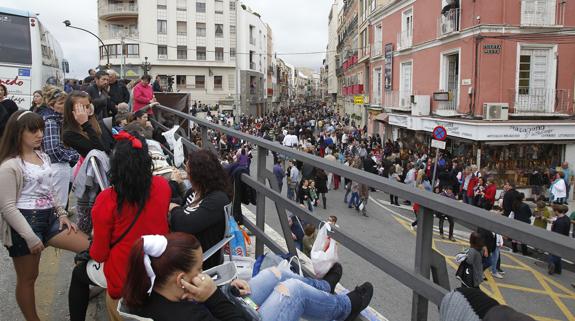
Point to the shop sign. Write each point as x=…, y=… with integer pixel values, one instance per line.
x=529, y=132
x=491, y=49
x=398, y=120
x=358, y=100
x=388, y=68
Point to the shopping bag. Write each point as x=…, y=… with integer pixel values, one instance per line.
x=178, y=153
x=287, y=265
x=244, y=266
x=237, y=246
x=323, y=252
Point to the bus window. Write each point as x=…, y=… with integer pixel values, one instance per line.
x=15, y=44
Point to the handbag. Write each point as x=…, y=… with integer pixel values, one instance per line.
x=95, y=270
x=465, y=274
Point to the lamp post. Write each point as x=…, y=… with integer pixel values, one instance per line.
x=69, y=25
x=146, y=66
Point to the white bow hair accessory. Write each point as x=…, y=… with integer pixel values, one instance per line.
x=154, y=245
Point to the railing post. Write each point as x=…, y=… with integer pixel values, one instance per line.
x=206, y=143
x=423, y=252
x=261, y=199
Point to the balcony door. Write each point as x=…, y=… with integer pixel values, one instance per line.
x=405, y=86
x=450, y=79
x=535, y=90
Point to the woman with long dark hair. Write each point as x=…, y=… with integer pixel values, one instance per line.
x=37, y=100
x=203, y=212
x=81, y=130
x=7, y=107
x=31, y=217
x=165, y=282
x=135, y=205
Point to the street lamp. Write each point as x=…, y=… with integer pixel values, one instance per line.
x=69, y=25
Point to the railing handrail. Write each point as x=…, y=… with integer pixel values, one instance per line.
x=528, y=234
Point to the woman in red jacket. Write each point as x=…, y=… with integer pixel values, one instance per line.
x=489, y=194
x=136, y=204
x=471, y=189
x=143, y=94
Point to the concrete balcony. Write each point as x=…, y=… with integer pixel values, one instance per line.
x=448, y=23
x=528, y=102
x=118, y=34
x=117, y=11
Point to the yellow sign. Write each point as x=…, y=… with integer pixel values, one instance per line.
x=358, y=100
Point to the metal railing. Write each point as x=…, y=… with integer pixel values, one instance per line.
x=394, y=99
x=448, y=23
x=118, y=34
x=415, y=278
x=450, y=105
x=106, y=9
x=404, y=39
x=540, y=101
x=542, y=13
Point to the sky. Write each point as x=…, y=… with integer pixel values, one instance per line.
x=298, y=26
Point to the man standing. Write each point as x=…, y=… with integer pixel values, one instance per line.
x=509, y=197
x=293, y=181
x=279, y=173
x=157, y=87
x=119, y=93
x=103, y=106
x=569, y=178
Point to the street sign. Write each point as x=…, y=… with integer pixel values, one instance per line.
x=438, y=144
x=358, y=100
x=440, y=133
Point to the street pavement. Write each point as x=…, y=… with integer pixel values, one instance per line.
x=526, y=285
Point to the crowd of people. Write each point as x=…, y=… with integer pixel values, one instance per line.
x=150, y=230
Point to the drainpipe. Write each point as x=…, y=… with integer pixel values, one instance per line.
x=475, y=86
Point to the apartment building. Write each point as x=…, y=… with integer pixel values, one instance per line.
x=192, y=41
x=252, y=46
x=331, y=61
x=273, y=102
x=492, y=72
x=349, y=72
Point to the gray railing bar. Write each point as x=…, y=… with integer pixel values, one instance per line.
x=553, y=242
x=401, y=273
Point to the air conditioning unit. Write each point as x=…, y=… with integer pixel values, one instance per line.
x=496, y=111
x=420, y=105
x=162, y=56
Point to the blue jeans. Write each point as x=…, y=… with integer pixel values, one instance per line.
x=354, y=200
x=556, y=260
x=305, y=298
x=494, y=258
x=291, y=192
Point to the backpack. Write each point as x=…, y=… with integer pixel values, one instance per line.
x=465, y=274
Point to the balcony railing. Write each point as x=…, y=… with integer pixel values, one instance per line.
x=526, y=101
x=542, y=13
x=111, y=9
x=117, y=34
x=377, y=49
x=252, y=65
x=449, y=107
x=397, y=100
x=448, y=23
x=364, y=53
x=404, y=39
x=253, y=41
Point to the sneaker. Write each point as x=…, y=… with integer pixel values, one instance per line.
x=360, y=298
x=333, y=276
x=501, y=272
x=452, y=239
x=497, y=275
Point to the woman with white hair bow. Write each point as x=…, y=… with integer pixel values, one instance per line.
x=165, y=283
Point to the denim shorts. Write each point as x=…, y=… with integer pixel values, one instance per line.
x=43, y=222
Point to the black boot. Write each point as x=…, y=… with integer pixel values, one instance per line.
x=324, y=202
x=333, y=276
x=360, y=298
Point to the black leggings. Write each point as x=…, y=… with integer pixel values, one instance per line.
x=451, y=224
x=79, y=293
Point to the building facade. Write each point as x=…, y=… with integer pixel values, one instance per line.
x=252, y=61
x=331, y=55
x=493, y=73
x=192, y=41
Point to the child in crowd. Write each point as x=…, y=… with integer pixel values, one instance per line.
x=561, y=225
x=309, y=238
x=474, y=258
x=313, y=193
x=354, y=200
x=542, y=215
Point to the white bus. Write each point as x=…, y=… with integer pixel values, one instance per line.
x=30, y=57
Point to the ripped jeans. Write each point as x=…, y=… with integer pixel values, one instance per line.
x=289, y=297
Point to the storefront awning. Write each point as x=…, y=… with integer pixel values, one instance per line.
x=383, y=117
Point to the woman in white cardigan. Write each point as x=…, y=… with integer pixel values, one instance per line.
x=559, y=189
